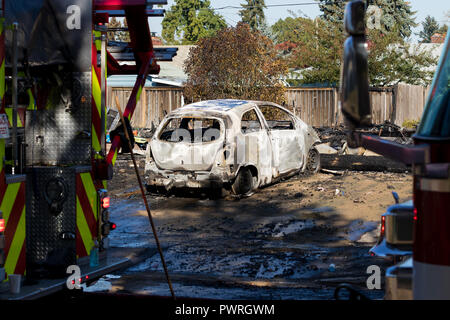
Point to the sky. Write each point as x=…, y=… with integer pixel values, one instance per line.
x=434, y=8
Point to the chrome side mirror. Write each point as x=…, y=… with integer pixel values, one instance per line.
x=354, y=89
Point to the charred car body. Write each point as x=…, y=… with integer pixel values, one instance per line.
x=236, y=144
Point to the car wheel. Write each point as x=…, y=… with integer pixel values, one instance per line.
x=215, y=193
x=243, y=183
x=313, y=161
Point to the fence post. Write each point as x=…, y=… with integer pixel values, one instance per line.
x=336, y=109
x=393, y=116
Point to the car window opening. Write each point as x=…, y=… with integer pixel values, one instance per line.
x=276, y=118
x=191, y=130
x=250, y=122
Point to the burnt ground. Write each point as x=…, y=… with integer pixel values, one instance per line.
x=279, y=243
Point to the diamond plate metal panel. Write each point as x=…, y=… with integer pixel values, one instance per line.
x=61, y=134
x=45, y=231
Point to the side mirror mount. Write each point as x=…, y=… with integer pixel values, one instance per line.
x=355, y=104
x=354, y=89
x=396, y=197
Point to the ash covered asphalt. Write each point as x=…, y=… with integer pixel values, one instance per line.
x=297, y=239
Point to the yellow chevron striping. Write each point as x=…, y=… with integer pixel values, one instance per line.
x=9, y=113
x=95, y=142
x=16, y=245
x=96, y=91
x=91, y=191
x=8, y=200
x=83, y=228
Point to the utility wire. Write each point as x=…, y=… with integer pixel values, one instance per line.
x=267, y=5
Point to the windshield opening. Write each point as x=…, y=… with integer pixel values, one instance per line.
x=191, y=130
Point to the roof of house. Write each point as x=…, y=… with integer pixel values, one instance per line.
x=171, y=73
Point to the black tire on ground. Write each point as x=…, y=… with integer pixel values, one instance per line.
x=150, y=188
x=313, y=161
x=243, y=182
x=215, y=193
x=155, y=189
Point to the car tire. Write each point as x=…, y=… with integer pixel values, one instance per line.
x=313, y=161
x=215, y=193
x=243, y=183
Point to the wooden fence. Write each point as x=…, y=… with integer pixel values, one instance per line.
x=153, y=105
x=318, y=107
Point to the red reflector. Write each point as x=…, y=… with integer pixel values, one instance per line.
x=105, y=202
x=113, y=226
x=2, y=225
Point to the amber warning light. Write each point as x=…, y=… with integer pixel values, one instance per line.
x=105, y=203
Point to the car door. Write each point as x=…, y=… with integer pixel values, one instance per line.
x=285, y=140
x=255, y=145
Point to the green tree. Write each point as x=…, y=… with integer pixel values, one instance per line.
x=429, y=27
x=443, y=29
x=395, y=15
x=332, y=11
x=187, y=21
x=314, y=49
x=289, y=29
x=392, y=60
x=235, y=63
x=253, y=14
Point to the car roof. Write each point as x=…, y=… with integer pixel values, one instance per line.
x=221, y=105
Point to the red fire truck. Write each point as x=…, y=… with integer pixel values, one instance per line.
x=54, y=165
x=429, y=157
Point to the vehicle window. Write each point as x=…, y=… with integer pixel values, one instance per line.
x=250, y=122
x=276, y=118
x=191, y=130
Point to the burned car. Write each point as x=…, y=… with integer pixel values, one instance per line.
x=234, y=144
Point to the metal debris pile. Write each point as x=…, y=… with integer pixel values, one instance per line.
x=334, y=138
